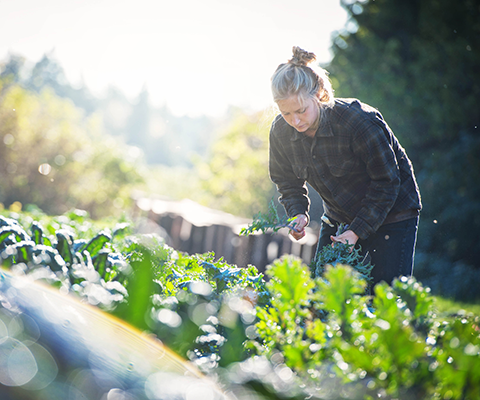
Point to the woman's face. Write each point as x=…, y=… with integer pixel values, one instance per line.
x=302, y=115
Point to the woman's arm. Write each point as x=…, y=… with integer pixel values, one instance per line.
x=292, y=188
x=373, y=145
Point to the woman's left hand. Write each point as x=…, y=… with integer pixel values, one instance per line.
x=347, y=237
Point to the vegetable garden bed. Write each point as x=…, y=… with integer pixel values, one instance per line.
x=289, y=334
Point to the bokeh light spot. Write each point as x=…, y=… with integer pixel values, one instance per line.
x=17, y=363
x=45, y=169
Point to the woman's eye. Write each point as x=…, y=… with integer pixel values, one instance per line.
x=302, y=111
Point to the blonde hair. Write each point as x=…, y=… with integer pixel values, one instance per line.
x=296, y=77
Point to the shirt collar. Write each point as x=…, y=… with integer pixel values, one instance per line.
x=324, y=130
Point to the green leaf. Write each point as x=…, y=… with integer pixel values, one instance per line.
x=37, y=232
x=64, y=245
x=344, y=254
x=4, y=221
x=269, y=221
x=140, y=288
x=22, y=251
x=97, y=243
x=291, y=280
x=100, y=262
x=15, y=231
x=121, y=229
x=341, y=283
x=415, y=296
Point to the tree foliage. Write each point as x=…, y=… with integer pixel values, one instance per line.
x=419, y=63
x=164, y=138
x=54, y=157
x=236, y=175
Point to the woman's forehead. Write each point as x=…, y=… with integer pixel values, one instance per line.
x=292, y=103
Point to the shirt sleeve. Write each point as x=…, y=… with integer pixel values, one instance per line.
x=292, y=188
x=373, y=144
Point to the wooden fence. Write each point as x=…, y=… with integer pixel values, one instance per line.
x=192, y=228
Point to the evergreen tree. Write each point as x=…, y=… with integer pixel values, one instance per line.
x=12, y=70
x=48, y=73
x=138, y=123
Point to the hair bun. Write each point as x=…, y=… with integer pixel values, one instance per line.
x=301, y=57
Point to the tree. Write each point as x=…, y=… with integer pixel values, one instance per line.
x=48, y=73
x=54, y=157
x=12, y=70
x=138, y=124
x=235, y=179
x=164, y=139
x=419, y=63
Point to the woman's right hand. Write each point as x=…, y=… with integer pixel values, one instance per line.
x=299, y=224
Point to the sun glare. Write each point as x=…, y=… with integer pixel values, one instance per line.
x=198, y=58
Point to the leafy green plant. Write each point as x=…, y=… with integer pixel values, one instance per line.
x=401, y=350
x=292, y=335
x=142, y=281
x=287, y=324
x=203, y=307
x=88, y=268
x=338, y=253
x=341, y=253
x=263, y=222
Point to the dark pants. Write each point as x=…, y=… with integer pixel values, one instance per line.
x=391, y=249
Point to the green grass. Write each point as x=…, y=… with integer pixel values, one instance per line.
x=448, y=306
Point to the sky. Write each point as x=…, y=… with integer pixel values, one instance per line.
x=195, y=56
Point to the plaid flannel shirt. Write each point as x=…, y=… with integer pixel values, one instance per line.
x=354, y=162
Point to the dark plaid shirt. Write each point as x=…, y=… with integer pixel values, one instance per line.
x=354, y=162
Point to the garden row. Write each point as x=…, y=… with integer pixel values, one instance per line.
x=300, y=331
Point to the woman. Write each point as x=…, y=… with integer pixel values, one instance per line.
x=345, y=150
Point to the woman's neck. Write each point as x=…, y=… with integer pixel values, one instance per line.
x=310, y=132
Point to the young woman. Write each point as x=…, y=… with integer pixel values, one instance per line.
x=346, y=151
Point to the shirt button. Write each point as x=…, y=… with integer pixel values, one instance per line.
x=314, y=157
